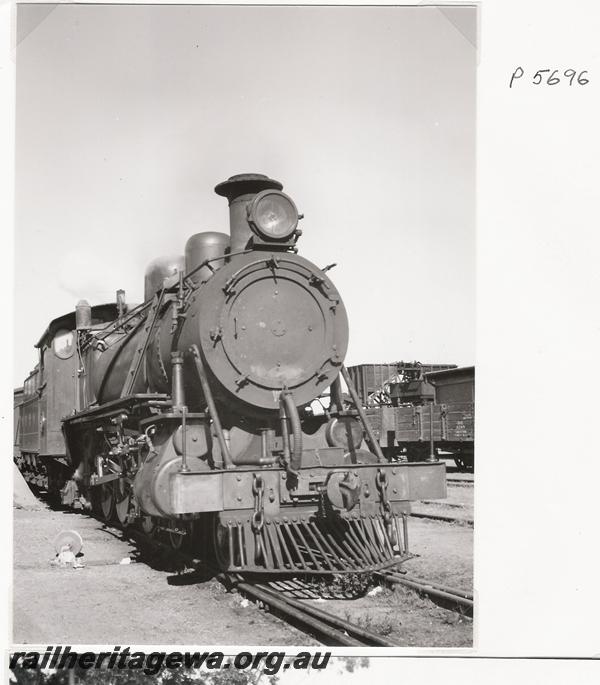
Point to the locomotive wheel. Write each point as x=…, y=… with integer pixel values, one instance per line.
x=177, y=539
x=220, y=544
x=148, y=525
x=122, y=491
x=96, y=501
x=107, y=501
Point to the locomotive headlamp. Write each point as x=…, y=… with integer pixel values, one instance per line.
x=273, y=215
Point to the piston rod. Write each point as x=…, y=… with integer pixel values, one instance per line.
x=362, y=415
x=212, y=408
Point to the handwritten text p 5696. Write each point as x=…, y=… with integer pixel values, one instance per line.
x=549, y=77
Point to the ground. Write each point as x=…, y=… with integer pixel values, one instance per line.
x=445, y=556
x=111, y=602
x=108, y=602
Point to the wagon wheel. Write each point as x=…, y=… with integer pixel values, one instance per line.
x=469, y=461
x=464, y=462
x=460, y=464
x=54, y=483
x=107, y=501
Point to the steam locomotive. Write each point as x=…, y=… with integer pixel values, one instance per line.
x=188, y=416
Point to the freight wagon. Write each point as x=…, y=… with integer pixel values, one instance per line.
x=422, y=415
x=396, y=383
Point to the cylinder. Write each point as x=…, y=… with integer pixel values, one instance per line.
x=240, y=190
x=83, y=315
x=158, y=270
x=152, y=482
x=203, y=246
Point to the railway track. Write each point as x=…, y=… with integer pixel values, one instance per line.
x=460, y=482
x=455, y=599
x=325, y=626
x=328, y=628
x=463, y=506
x=441, y=517
x=282, y=597
x=290, y=599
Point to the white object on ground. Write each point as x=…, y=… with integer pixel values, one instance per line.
x=375, y=591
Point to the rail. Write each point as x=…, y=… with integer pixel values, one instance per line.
x=442, y=517
x=329, y=628
x=325, y=626
x=451, y=598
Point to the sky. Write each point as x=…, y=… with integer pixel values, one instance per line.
x=128, y=116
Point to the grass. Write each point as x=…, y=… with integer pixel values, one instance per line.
x=380, y=625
